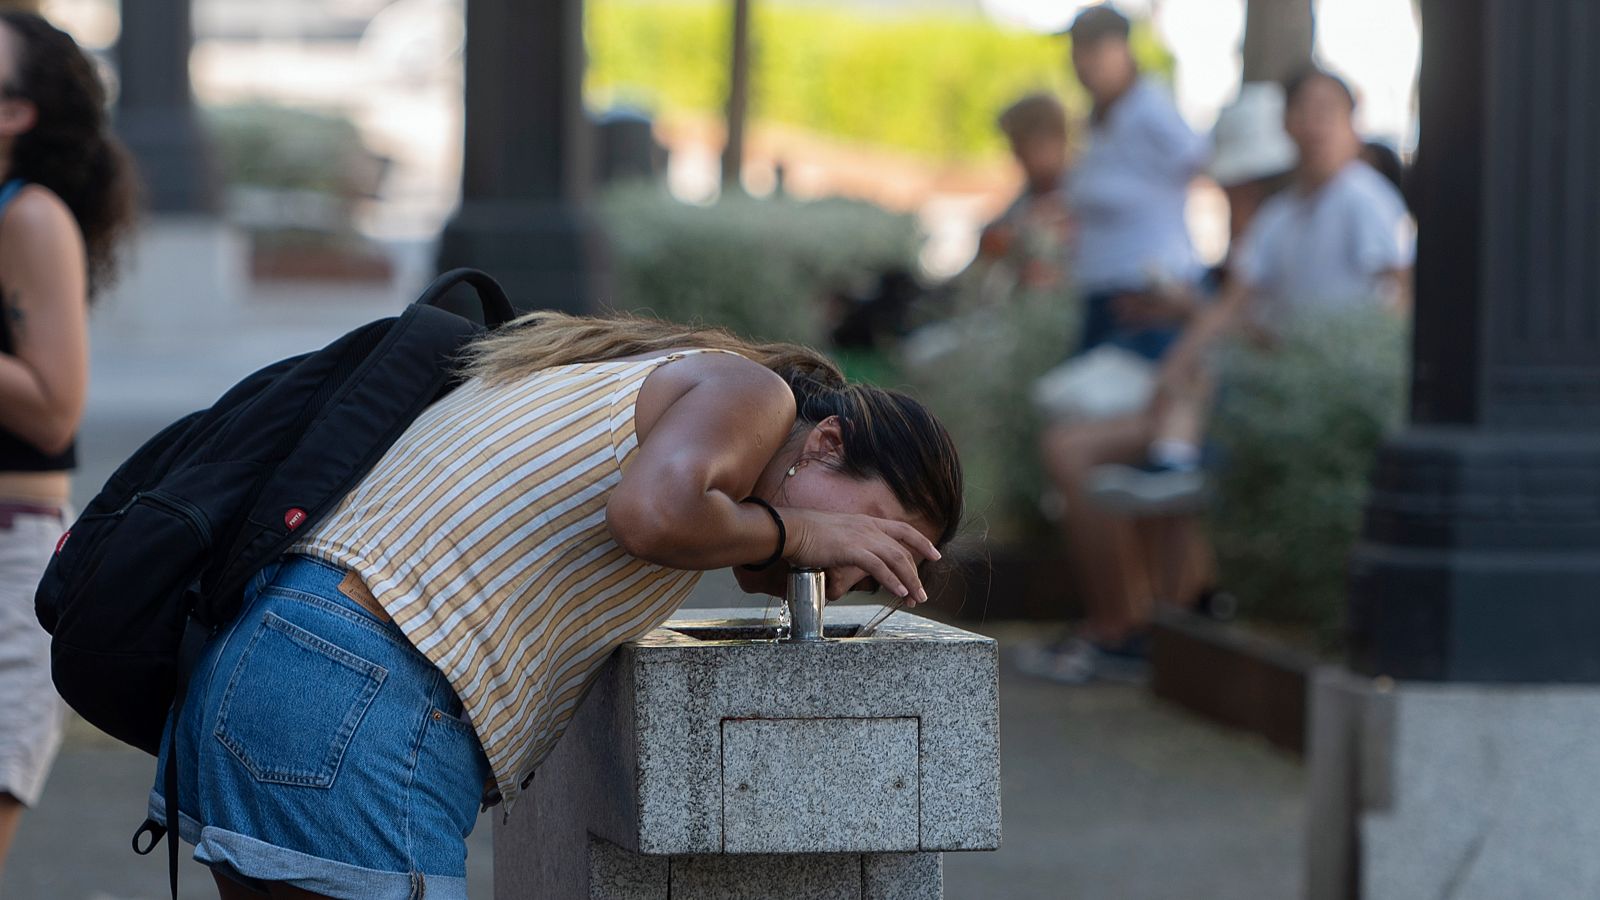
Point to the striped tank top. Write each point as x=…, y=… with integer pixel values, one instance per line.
x=482, y=532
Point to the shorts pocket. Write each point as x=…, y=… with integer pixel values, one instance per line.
x=293, y=704
x=451, y=771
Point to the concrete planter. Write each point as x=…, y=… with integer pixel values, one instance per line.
x=272, y=261
x=1232, y=676
x=1007, y=581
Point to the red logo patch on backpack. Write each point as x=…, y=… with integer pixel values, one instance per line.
x=294, y=518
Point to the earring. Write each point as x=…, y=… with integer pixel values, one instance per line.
x=792, y=469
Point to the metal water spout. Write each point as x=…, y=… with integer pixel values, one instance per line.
x=807, y=596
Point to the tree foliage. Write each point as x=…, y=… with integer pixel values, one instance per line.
x=928, y=83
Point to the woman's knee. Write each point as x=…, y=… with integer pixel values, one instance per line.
x=1070, y=451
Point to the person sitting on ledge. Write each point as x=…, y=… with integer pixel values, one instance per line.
x=1337, y=238
x=425, y=646
x=1127, y=565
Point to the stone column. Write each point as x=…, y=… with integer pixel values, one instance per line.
x=1460, y=760
x=526, y=165
x=187, y=269
x=155, y=113
x=1481, y=559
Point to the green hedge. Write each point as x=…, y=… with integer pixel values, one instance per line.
x=927, y=83
x=975, y=367
x=288, y=148
x=762, y=267
x=1296, y=431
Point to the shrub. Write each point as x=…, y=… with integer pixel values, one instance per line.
x=295, y=177
x=262, y=145
x=762, y=267
x=929, y=83
x=1296, y=431
x=976, y=370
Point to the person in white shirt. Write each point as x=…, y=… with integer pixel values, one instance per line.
x=1338, y=237
x=1125, y=564
x=1128, y=188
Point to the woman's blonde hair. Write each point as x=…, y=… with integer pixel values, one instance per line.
x=543, y=339
x=887, y=434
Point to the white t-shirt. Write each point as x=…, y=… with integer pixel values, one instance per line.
x=1127, y=193
x=1327, y=249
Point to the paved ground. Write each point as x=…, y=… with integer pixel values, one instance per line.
x=1107, y=793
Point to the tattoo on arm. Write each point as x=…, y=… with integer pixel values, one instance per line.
x=14, y=314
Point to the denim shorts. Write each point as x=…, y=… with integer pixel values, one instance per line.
x=318, y=748
x=1100, y=326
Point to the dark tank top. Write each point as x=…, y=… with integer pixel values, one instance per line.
x=16, y=454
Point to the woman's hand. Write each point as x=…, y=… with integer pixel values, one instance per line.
x=853, y=548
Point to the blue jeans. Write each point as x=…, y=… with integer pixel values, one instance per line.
x=317, y=747
x=1100, y=326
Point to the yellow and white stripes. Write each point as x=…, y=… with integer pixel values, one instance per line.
x=482, y=532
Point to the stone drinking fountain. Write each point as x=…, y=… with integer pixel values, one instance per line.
x=712, y=760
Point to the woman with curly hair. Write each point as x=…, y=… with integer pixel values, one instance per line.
x=66, y=198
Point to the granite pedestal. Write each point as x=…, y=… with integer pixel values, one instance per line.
x=709, y=764
x=1473, y=792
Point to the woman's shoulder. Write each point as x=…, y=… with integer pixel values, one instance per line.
x=38, y=205
x=37, y=217
x=703, y=364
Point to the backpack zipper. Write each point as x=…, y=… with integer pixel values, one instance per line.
x=183, y=509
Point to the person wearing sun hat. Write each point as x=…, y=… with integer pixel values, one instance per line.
x=1337, y=238
x=1131, y=560
x=1252, y=156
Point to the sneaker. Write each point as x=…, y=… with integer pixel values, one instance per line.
x=1150, y=488
x=1064, y=662
x=1083, y=662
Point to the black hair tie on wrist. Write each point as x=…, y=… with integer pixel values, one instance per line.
x=783, y=535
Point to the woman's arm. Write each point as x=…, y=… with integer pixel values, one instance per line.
x=1207, y=326
x=707, y=425
x=710, y=425
x=43, y=278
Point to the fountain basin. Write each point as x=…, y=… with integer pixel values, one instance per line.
x=705, y=738
x=751, y=630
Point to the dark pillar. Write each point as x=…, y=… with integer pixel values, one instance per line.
x=526, y=166
x=1481, y=558
x=156, y=114
x=738, y=95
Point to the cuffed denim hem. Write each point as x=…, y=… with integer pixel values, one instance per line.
x=188, y=828
x=260, y=861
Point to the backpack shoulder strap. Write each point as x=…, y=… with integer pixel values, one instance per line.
x=413, y=365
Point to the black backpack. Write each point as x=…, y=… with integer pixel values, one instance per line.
x=158, y=561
